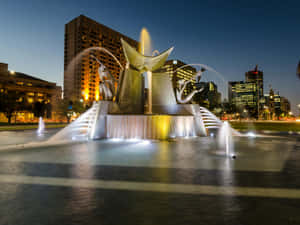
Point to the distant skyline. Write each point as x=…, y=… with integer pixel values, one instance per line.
x=229, y=36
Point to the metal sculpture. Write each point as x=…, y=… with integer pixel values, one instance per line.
x=182, y=87
x=132, y=91
x=107, y=82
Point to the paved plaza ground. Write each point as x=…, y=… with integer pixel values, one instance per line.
x=182, y=181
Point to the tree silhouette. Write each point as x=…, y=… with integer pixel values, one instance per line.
x=9, y=104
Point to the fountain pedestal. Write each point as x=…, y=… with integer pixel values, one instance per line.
x=173, y=121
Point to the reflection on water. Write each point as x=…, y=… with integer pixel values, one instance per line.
x=259, y=154
x=164, y=157
x=195, y=163
x=82, y=199
x=23, y=137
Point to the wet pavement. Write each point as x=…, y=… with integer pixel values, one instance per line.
x=24, y=136
x=183, y=181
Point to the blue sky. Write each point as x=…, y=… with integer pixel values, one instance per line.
x=230, y=36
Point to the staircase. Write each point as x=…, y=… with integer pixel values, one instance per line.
x=82, y=128
x=210, y=121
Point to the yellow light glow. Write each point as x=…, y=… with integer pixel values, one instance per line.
x=97, y=94
x=145, y=42
x=12, y=72
x=86, y=96
x=162, y=123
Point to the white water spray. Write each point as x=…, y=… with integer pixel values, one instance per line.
x=41, y=127
x=225, y=139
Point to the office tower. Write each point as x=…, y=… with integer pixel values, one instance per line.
x=243, y=96
x=256, y=76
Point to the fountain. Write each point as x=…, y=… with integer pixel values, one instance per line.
x=41, y=127
x=225, y=141
x=126, y=112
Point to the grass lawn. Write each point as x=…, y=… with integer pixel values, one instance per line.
x=28, y=127
x=271, y=126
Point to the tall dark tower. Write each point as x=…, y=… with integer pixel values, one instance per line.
x=256, y=76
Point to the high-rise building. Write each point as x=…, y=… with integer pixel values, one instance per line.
x=256, y=76
x=178, y=70
x=243, y=96
x=209, y=96
x=248, y=95
x=81, y=79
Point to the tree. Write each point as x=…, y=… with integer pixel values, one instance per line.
x=9, y=104
x=66, y=108
x=39, y=109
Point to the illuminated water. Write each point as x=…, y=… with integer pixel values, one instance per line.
x=41, y=127
x=225, y=139
x=150, y=127
x=264, y=153
x=180, y=181
x=145, y=47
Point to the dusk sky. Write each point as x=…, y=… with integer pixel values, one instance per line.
x=230, y=36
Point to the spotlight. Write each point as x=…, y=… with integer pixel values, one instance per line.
x=251, y=134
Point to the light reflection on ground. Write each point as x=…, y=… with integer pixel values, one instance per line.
x=253, y=154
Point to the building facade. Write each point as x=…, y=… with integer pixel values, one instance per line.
x=248, y=96
x=243, y=96
x=256, y=76
x=209, y=97
x=275, y=106
x=81, y=78
x=179, y=70
x=28, y=91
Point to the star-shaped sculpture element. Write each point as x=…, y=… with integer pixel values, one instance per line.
x=144, y=63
